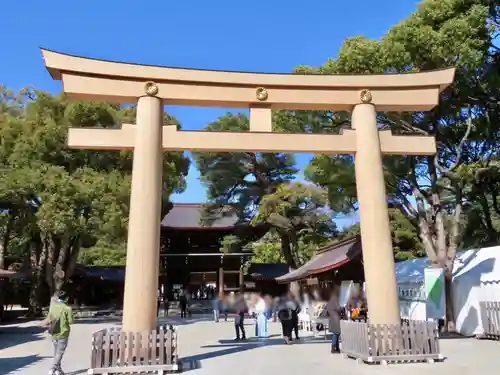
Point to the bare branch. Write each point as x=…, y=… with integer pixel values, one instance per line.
x=459, y=150
x=407, y=126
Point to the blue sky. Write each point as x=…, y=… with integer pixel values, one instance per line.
x=271, y=36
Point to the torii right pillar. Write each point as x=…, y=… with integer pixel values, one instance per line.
x=378, y=256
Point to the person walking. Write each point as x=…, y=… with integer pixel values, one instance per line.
x=285, y=317
x=58, y=323
x=216, y=306
x=240, y=308
x=295, y=307
x=158, y=303
x=224, y=306
x=333, y=309
x=183, y=304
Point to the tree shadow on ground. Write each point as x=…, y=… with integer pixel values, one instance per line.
x=229, y=347
x=9, y=365
x=178, y=321
x=172, y=320
x=452, y=336
x=14, y=335
x=96, y=320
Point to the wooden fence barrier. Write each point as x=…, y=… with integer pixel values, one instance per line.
x=490, y=319
x=115, y=351
x=413, y=341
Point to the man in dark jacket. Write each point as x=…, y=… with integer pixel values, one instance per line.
x=295, y=315
x=240, y=308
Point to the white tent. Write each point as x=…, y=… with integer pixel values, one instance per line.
x=476, y=277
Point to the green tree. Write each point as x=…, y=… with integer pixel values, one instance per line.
x=439, y=34
x=236, y=182
x=405, y=240
x=60, y=201
x=298, y=213
x=267, y=249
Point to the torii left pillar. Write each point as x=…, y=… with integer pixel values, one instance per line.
x=143, y=245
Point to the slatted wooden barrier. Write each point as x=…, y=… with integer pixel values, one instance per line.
x=114, y=351
x=413, y=341
x=490, y=319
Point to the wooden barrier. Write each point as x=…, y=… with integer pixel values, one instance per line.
x=115, y=351
x=490, y=319
x=414, y=341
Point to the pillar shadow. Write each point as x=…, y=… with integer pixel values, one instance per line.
x=194, y=361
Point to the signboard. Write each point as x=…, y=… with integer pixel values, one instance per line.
x=412, y=292
x=434, y=290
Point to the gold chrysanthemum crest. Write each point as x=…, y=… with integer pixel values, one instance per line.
x=261, y=94
x=365, y=96
x=151, y=88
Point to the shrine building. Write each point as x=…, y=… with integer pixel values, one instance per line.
x=190, y=255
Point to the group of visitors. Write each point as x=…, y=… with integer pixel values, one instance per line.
x=287, y=309
x=262, y=308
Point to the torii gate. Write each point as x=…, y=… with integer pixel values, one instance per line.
x=152, y=87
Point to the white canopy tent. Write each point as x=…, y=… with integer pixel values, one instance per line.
x=476, y=277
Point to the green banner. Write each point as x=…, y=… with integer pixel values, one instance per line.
x=434, y=290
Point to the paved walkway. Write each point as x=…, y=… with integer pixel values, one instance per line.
x=24, y=350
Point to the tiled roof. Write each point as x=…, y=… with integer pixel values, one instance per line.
x=188, y=216
x=326, y=259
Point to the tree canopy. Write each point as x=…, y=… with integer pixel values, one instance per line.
x=60, y=206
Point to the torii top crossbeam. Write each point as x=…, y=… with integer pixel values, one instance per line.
x=85, y=78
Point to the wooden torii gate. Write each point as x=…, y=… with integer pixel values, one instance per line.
x=152, y=87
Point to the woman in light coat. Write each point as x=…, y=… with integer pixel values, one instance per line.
x=333, y=308
x=261, y=321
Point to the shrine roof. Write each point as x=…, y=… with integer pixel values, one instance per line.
x=326, y=259
x=188, y=216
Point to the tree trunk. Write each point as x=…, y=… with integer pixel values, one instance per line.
x=450, y=311
x=59, y=276
x=286, y=250
x=73, y=258
x=38, y=259
x=35, y=301
x=52, y=246
x=492, y=233
x=4, y=242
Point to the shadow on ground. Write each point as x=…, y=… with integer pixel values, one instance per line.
x=9, y=365
x=174, y=320
x=451, y=335
x=228, y=347
x=14, y=335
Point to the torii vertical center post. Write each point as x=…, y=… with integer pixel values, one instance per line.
x=153, y=86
